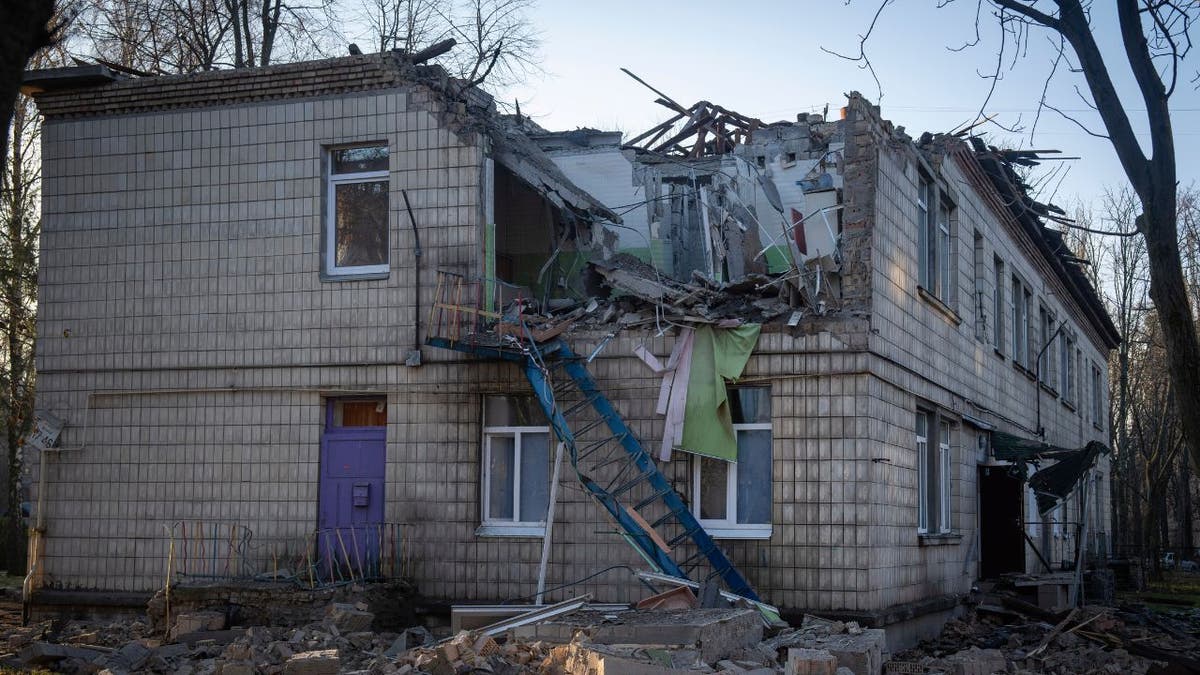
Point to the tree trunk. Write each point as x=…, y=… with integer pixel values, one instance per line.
x=23, y=31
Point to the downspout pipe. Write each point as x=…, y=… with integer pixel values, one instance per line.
x=1037, y=378
x=414, y=357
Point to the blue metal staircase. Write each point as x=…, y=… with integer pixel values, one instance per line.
x=608, y=459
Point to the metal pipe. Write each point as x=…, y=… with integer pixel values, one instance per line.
x=414, y=357
x=541, y=582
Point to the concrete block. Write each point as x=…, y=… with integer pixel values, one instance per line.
x=321, y=662
x=716, y=633
x=193, y=622
x=810, y=662
x=347, y=618
x=976, y=661
x=862, y=654
x=576, y=658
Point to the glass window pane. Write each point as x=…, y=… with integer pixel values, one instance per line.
x=714, y=488
x=500, y=477
x=750, y=405
x=535, y=477
x=359, y=160
x=754, y=476
x=361, y=223
x=513, y=411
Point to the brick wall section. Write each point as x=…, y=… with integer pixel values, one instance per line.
x=338, y=76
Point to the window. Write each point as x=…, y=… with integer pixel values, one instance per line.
x=733, y=500
x=1048, y=364
x=1097, y=399
x=356, y=219
x=1066, y=355
x=980, y=274
x=933, y=240
x=998, y=305
x=934, y=474
x=1020, y=323
x=516, y=467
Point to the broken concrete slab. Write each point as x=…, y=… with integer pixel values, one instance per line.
x=862, y=653
x=319, y=662
x=193, y=622
x=716, y=633
x=602, y=660
x=347, y=618
x=43, y=653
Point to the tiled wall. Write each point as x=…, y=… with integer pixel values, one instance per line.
x=189, y=343
x=931, y=356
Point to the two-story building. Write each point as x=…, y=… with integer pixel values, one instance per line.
x=237, y=270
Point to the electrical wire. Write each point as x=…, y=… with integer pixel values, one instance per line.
x=583, y=579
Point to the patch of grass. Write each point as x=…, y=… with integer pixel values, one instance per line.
x=11, y=580
x=1176, y=590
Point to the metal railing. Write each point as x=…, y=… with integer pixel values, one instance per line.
x=229, y=551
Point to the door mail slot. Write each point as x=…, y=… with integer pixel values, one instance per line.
x=361, y=494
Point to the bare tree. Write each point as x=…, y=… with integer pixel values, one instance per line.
x=183, y=36
x=496, y=40
x=25, y=27
x=1155, y=41
x=21, y=224
x=405, y=24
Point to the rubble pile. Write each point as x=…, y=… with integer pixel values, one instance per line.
x=1092, y=639
x=199, y=643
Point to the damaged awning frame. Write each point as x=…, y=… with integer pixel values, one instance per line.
x=1054, y=483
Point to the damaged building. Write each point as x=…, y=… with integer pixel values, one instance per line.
x=340, y=320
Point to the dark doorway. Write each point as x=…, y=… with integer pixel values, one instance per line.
x=1002, y=547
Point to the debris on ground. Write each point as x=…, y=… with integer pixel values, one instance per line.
x=1130, y=639
x=989, y=638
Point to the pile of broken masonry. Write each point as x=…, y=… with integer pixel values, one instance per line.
x=718, y=640
x=588, y=641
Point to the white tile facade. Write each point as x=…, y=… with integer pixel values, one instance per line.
x=188, y=340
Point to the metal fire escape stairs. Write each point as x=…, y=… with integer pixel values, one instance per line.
x=609, y=461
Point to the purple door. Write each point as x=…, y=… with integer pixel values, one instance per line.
x=350, y=503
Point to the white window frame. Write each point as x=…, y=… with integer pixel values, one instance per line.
x=1097, y=397
x=942, y=480
x=998, y=302
x=935, y=268
x=332, y=180
x=944, y=256
x=923, y=471
x=945, y=482
x=925, y=276
x=507, y=528
x=1067, y=355
x=729, y=527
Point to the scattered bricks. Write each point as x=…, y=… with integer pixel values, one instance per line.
x=321, y=662
x=348, y=618
x=485, y=646
x=811, y=662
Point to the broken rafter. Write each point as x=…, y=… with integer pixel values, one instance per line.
x=712, y=129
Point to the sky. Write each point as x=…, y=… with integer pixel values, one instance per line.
x=764, y=58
